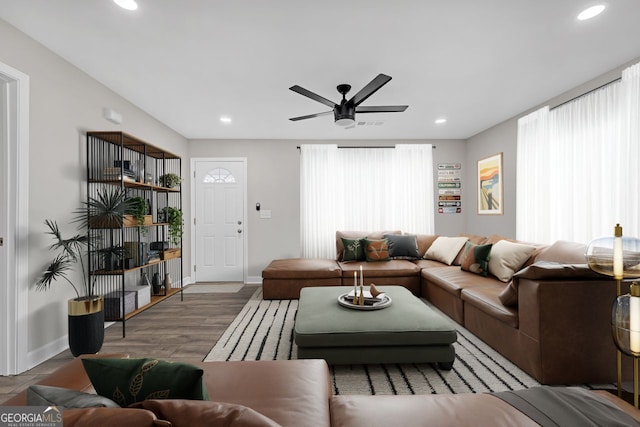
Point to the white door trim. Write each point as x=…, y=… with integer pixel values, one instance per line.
x=14, y=283
x=192, y=172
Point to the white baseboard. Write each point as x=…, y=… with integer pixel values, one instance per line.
x=47, y=351
x=254, y=280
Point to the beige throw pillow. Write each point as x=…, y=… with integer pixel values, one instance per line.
x=507, y=258
x=445, y=249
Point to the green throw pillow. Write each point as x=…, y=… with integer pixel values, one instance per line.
x=126, y=381
x=476, y=258
x=353, y=249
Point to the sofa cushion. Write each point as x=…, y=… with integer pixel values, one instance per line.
x=127, y=381
x=486, y=299
x=391, y=268
x=445, y=249
x=542, y=270
x=376, y=250
x=509, y=295
x=353, y=249
x=564, y=252
x=453, y=280
x=302, y=268
x=476, y=258
x=188, y=413
x=507, y=258
x=403, y=246
x=424, y=242
x=44, y=395
x=375, y=235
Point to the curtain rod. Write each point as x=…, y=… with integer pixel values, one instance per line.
x=586, y=93
x=368, y=146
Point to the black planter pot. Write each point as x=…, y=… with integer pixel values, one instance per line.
x=86, y=325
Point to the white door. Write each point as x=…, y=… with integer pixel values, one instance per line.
x=219, y=220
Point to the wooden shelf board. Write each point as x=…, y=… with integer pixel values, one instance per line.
x=155, y=299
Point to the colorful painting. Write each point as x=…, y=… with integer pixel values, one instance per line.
x=490, y=200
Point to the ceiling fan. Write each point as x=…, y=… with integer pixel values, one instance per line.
x=344, y=112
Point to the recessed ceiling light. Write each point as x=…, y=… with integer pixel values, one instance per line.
x=440, y=121
x=591, y=12
x=127, y=4
x=225, y=119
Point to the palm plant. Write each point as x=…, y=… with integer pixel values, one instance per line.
x=106, y=210
x=71, y=251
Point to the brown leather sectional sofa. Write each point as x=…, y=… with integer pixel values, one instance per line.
x=298, y=393
x=556, y=326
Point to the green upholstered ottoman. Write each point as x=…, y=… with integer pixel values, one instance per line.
x=408, y=331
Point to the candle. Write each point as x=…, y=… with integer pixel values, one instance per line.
x=361, y=277
x=355, y=282
x=618, y=266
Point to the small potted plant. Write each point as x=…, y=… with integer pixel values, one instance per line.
x=170, y=180
x=139, y=209
x=172, y=216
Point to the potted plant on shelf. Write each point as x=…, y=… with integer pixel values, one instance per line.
x=170, y=180
x=173, y=216
x=139, y=209
x=85, y=311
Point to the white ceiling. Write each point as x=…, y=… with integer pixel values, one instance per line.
x=478, y=63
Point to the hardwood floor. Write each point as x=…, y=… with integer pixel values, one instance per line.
x=173, y=329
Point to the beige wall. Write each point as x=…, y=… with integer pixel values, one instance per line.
x=64, y=103
x=273, y=174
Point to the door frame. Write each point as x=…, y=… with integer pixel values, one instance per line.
x=245, y=240
x=14, y=280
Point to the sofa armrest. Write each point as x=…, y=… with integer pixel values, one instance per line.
x=71, y=375
x=544, y=270
x=571, y=321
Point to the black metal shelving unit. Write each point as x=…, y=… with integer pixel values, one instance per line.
x=121, y=256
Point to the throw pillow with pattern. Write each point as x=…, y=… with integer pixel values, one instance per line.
x=376, y=250
x=476, y=258
x=353, y=249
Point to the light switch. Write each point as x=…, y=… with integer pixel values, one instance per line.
x=265, y=214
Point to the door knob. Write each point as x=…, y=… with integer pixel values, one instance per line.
x=239, y=230
x=239, y=222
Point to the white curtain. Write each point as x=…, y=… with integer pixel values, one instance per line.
x=578, y=166
x=318, y=184
x=364, y=189
x=533, y=180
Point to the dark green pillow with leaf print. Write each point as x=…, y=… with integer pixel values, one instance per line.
x=127, y=381
x=353, y=249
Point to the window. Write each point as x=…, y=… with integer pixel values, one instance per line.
x=368, y=189
x=578, y=166
x=219, y=175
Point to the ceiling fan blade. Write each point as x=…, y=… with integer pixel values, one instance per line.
x=382, y=109
x=369, y=89
x=315, y=97
x=310, y=116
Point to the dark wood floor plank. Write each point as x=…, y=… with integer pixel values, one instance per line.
x=173, y=329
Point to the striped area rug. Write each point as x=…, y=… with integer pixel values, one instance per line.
x=264, y=331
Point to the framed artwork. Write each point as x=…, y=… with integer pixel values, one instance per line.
x=489, y=185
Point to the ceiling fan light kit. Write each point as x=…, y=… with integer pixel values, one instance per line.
x=345, y=112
